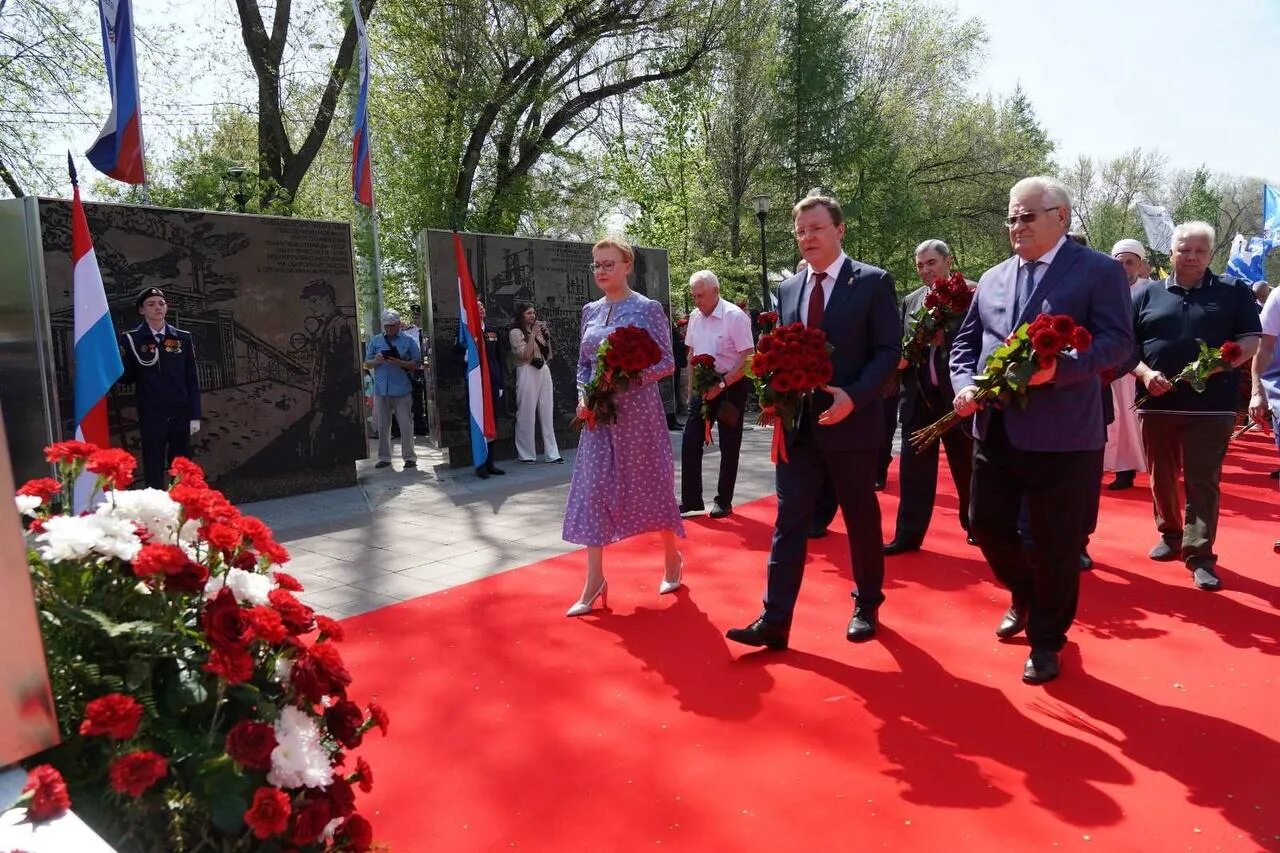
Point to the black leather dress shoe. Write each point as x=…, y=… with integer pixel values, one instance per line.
x=692, y=509
x=900, y=546
x=1041, y=667
x=880, y=485
x=482, y=473
x=1013, y=623
x=1123, y=480
x=760, y=633
x=492, y=470
x=719, y=510
x=862, y=626
x=969, y=540
x=1086, y=562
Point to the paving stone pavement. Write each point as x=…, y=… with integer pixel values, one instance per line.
x=401, y=534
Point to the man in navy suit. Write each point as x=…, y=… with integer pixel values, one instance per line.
x=1047, y=454
x=840, y=432
x=160, y=362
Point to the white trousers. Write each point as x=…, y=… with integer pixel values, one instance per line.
x=1124, y=436
x=403, y=408
x=534, y=403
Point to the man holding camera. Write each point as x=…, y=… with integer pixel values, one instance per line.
x=392, y=357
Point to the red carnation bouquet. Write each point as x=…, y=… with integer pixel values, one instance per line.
x=202, y=704
x=1210, y=361
x=705, y=378
x=790, y=362
x=1033, y=346
x=944, y=306
x=620, y=360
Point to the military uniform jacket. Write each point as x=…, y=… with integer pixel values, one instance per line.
x=163, y=373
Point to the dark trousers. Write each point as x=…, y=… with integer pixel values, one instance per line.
x=890, y=427
x=851, y=475
x=730, y=436
x=163, y=438
x=1056, y=487
x=1190, y=447
x=918, y=470
x=418, y=382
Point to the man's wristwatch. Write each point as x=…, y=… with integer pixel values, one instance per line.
x=722, y=385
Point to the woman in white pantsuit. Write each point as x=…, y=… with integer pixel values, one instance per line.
x=531, y=350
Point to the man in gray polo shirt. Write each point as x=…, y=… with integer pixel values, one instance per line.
x=1185, y=433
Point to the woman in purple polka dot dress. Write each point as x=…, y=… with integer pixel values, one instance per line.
x=624, y=473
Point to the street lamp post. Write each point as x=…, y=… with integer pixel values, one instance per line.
x=761, y=205
x=236, y=174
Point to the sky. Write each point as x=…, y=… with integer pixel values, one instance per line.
x=1187, y=77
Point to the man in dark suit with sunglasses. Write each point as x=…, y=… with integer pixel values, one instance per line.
x=1048, y=453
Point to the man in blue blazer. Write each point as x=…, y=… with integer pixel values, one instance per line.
x=840, y=433
x=1047, y=454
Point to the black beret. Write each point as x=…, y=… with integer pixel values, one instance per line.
x=319, y=287
x=146, y=294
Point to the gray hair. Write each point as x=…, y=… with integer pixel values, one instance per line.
x=1195, y=228
x=1053, y=193
x=704, y=275
x=937, y=246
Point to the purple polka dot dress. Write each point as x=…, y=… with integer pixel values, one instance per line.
x=624, y=474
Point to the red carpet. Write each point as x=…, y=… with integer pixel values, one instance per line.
x=641, y=728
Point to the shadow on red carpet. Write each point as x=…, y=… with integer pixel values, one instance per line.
x=640, y=726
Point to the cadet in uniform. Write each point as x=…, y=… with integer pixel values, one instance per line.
x=161, y=363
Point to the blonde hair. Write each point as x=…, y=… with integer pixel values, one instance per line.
x=623, y=247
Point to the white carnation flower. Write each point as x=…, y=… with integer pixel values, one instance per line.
x=249, y=588
x=67, y=537
x=152, y=508
x=27, y=504
x=299, y=759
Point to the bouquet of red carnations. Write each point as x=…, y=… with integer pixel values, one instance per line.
x=790, y=362
x=943, y=308
x=1033, y=346
x=202, y=705
x=1210, y=361
x=705, y=378
x=621, y=358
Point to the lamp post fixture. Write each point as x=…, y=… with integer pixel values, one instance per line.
x=761, y=205
x=236, y=174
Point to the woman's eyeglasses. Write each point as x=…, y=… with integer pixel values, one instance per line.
x=1028, y=217
x=602, y=266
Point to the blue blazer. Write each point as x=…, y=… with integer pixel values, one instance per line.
x=863, y=325
x=1066, y=414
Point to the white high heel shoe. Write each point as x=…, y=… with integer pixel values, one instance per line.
x=667, y=587
x=582, y=608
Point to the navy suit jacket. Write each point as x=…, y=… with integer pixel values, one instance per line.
x=862, y=324
x=1066, y=414
x=169, y=386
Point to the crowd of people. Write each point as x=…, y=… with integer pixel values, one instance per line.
x=1029, y=477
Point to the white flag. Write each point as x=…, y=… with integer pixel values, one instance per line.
x=1159, y=226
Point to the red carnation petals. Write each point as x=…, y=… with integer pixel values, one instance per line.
x=49, y=798
x=134, y=773
x=115, y=715
x=268, y=814
x=250, y=742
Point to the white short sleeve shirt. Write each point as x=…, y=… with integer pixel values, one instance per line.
x=725, y=333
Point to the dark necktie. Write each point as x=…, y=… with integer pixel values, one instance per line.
x=159, y=338
x=813, y=319
x=1026, y=284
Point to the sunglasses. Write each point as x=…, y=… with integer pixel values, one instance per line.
x=1028, y=217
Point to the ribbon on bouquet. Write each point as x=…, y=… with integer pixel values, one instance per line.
x=778, y=447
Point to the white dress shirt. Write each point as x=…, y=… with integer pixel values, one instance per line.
x=1044, y=260
x=828, y=285
x=724, y=333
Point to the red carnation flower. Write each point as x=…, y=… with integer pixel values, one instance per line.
x=781, y=382
x=191, y=578
x=69, y=451
x=246, y=561
x=250, y=742
x=359, y=833
x=363, y=775
x=49, y=798
x=344, y=720
x=1046, y=343
x=268, y=815
x=224, y=622
x=331, y=628
x=310, y=822
x=186, y=471
x=156, y=559
x=266, y=625
x=379, y=716
x=114, y=715
x=276, y=553
x=224, y=537
x=114, y=466
x=1081, y=339
x=45, y=488
x=1064, y=326
x=298, y=618
x=234, y=666
x=342, y=798
x=319, y=672
x=134, y=773
x=196, y=499
x=1231, y=351
x=287, y=581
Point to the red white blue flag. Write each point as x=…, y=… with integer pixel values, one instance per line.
x=361, y=164
x=471, y=340
x=118, y=150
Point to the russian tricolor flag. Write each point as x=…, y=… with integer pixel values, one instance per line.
x=361, y=165
x=470, y=338
x=96, y=364
x=118, y=151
